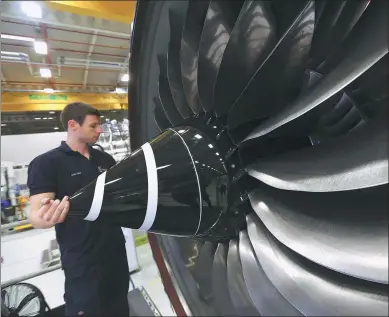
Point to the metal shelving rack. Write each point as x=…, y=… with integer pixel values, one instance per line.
x=115, y=139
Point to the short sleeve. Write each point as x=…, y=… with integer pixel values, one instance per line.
x=42, y=176
x=110, y=159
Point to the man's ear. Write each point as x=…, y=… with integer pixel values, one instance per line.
x=72, y=125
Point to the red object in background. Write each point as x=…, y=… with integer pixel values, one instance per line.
x=165, y=276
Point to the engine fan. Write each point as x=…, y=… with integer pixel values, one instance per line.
x=295, y=95
x=22, y=299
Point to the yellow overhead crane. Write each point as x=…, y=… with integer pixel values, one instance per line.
x=119, y=11
x=37, y=101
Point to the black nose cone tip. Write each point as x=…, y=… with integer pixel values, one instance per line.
x=175, y=184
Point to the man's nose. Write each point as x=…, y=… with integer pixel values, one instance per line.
x=99, y=130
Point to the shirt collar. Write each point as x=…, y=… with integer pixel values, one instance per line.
x=66, y=148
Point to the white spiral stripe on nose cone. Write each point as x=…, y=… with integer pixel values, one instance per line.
x=152, y=187
x=98, y=196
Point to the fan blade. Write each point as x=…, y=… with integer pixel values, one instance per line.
x=174, y=67
x=370, y=45
x=343, y=118
x=265, y=94
x=165, y=95
x=203, y=269
x=335, y=30
x=219, y=22
x=319, y=8
x=356, y=160
x=313, y=290
x=339, y=111
x=236, y=284
x=341, y=40
x=159, y=115
x=331, y=229
x=252, y=38
x=190, y=44
x=221, y=294
x=375, y=75
x=324, y=27
x=269, y=301
x=371, y=90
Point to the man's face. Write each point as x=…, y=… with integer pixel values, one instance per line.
x=90, y=130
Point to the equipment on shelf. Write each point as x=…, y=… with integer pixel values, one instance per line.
x=14, y=192
x=115, y=138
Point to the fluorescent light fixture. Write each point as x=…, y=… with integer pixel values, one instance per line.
x=56, y=128
x=210, y=146
x=45, y=118
x=125, y=77
x=40, y=47
x=37, y=118
x=198, y=136
x=51, y=112
x=3, y=125
x=120, y=90
x=49, y=91
x=32, y=9
x=17, y=38
x=217, y=154
x=45, y=72
x=14, y=58
x=51, y=118
x=10, y=53
x=181, y=131
x=197, y=162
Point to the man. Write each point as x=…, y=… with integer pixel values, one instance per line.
x=93, y=254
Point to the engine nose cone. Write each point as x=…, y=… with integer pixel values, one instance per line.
x=175, y=184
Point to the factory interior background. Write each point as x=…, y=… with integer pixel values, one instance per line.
x=54, y=53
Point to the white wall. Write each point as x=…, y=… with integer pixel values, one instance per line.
x=23, y=148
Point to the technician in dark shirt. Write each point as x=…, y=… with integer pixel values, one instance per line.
x=93, y=253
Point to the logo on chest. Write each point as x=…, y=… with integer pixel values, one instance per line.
x=101, y=169
x=75, y=174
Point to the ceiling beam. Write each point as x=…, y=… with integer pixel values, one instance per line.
x=65, y=50
x=47, y=60
x=3, y=78
x=124, y=69
x=53, y=21
x=67, y=19
x=71, y=66
x=26, y=22
x=90, y=51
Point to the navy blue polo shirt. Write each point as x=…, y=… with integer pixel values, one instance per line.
x=83, y=244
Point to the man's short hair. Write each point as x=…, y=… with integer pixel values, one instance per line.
x=77, y=111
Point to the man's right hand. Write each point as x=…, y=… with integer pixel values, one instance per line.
x=54, y=211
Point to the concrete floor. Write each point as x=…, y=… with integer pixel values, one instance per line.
x=22, y=253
